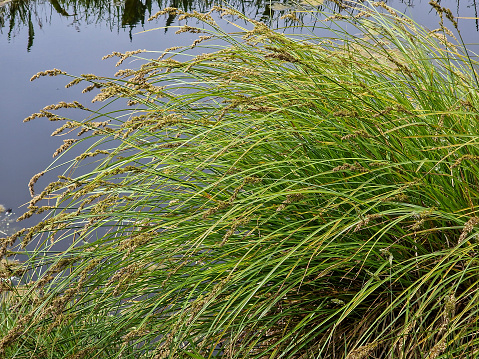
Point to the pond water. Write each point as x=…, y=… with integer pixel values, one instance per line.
x=73, y=35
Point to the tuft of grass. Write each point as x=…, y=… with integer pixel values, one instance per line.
x=278, y=196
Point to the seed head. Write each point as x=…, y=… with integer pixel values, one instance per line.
x=65, y=146
x=32, y=182
x=53, y=72
x=362, y=351
x=468, y=228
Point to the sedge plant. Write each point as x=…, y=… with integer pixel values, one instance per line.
x=274, y=196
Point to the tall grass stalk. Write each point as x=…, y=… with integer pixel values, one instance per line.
x=279, y=196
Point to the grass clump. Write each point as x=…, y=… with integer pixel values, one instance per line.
x=276, y=197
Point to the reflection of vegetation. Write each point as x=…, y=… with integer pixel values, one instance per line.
x=16, y=14
x=276, y=197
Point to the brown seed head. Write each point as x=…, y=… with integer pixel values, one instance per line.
x=53, y=72
x=32, y=182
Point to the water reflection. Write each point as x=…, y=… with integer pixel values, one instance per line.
x=17, y=15
x=7, y=221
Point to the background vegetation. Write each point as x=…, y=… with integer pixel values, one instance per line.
x=18, y=14
x=270, y=196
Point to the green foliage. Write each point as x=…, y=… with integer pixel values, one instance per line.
x=276, y=197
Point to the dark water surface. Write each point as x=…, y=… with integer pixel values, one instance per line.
x=73, y=35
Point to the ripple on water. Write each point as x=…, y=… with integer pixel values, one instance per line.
x=6, y=221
